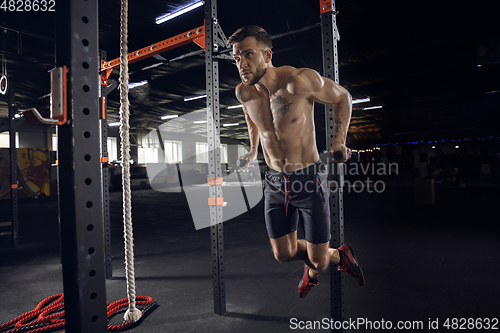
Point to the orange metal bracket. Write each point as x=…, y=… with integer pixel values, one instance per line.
x=14, y=185
x=196, y=35
x=104, y=82
x=105, y=73
x=200, y=41
x=104, y=159
x=325, y=6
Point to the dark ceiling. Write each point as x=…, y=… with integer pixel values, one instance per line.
x=417, y=59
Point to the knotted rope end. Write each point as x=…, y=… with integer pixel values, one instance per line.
x=132, y=316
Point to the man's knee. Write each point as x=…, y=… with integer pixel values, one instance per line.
x=283, y=256
x=284, y=249
x=320, y=265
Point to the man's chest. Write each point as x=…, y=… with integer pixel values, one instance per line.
x=277, y=113
x=281, y=104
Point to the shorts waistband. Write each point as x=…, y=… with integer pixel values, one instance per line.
x=318, y=167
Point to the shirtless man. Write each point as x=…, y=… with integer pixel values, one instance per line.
x=278, y=103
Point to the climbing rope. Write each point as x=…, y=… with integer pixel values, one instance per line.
x=48, y=316
x=133, y=314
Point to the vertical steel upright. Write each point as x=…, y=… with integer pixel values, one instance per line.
x=105, y=198
x=105, y=177
x=214, y=159
x=79, y=171
x=330, y=36
x=13, y=167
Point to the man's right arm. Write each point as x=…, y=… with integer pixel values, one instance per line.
x=253, y=131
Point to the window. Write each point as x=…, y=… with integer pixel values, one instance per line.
x=54, y=142
x=223, y=153
x=149, y=151
x=112, y=149
x=241, y=150
x=173, y=151
x=147, y=155
x=4, y=140
x=202, y=152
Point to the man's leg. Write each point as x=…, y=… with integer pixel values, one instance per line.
x=288, y=248
x=316, y=256
x=320, y=256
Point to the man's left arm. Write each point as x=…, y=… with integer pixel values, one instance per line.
x=325, y=91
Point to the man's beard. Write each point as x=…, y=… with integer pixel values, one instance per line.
x=256, y=77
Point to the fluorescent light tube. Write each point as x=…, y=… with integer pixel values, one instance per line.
x=227, y=125
x=373, y=107
x=200, y=122
x=235, y=106
x=169, y=16
x=187, y=99
x=114, y=124
x=137, y=84
x=152, y=66
x=362, y=100
x=169, y=117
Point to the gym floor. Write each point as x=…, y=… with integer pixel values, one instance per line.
x=421, y=262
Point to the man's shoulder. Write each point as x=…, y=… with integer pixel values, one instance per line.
x=242, y=92
x=287, y=72
x=301, y=80
x=246, y=93
x=306, y=72
x=292, y=74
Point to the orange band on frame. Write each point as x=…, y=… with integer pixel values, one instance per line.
x=215, y=201
x=214, y=181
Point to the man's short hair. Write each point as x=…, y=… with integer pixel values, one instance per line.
x=260, y=34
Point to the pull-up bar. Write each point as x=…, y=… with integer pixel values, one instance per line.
x=196, y=35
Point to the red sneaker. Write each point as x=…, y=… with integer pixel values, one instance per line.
x=304, y=284
x=349, y=264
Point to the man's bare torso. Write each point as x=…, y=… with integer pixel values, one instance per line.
x=285, y=120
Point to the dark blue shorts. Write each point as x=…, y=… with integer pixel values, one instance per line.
x=298, y=196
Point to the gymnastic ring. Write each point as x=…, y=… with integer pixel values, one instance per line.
x=3, y=84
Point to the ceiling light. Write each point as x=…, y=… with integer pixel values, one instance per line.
x=169, y=117
x=114, y=124
x=362, y=100
x=373, y=107
x=152, y=66
x=187, y=99
x=200, y=122
x=137, y=84
x=235, y=106
x=169, y=16
x=234, y=124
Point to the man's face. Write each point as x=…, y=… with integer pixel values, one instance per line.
x=250, y=60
